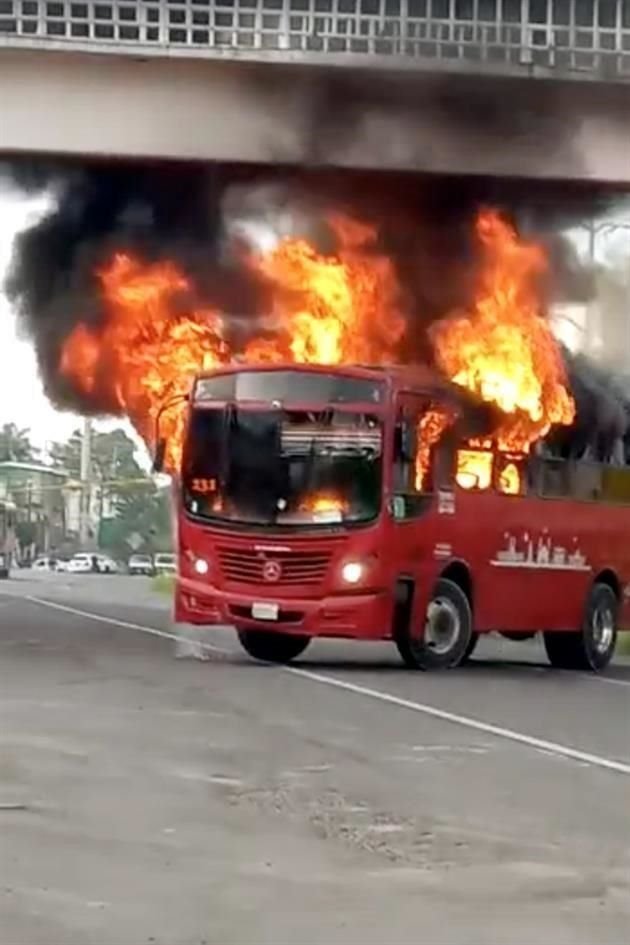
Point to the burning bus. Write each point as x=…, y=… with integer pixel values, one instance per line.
x=316, y=497
x=320, y=502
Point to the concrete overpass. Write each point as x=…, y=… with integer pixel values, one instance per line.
x=537, y=88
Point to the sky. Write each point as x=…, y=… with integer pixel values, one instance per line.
x=22, y=399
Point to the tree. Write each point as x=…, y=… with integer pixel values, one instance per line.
x=130, y=503
x=112, y=456
x=15, y=444
x=143, y=511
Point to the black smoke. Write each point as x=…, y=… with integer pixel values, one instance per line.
x=601, y=430
x=156, y=212
x=190, y=213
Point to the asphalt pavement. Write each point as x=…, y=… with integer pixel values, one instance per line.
x=148, y=799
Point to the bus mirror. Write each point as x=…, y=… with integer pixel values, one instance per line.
x=159, y=455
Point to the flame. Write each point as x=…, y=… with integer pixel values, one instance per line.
x=337, y=309
x=510, y=479
x=147, y=350
x=503, y=349
x=321, y=502
x=474, y=469
x=431, y=426
x=341, y=307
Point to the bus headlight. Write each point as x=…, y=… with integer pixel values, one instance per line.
x=352, y=572
x=201, y=566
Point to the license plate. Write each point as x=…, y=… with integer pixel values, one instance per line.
x=265, y=611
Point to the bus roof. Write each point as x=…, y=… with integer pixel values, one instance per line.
x=419, y=376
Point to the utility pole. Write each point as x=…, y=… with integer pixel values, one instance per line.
x=86, y=483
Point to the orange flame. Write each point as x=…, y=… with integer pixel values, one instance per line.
x=341, y=309
x=431, y=426
x=148, y=350
x=510, y=479
x=474, y=469
x=344, y=307
x=321, y=502
x=503, y=349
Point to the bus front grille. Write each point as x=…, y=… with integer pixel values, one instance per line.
x=248, y=566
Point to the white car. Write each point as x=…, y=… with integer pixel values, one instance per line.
x=86, y=563
x=140, y=564
x=81, y=564
x=49, y=563
x=107, y=565
x=164, y=563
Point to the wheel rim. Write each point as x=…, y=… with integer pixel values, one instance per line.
x=603, y=630
x=442, y=626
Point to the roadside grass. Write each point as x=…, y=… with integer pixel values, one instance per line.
x=163, y=583
x=623, y=644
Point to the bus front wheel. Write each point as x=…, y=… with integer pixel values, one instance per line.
x=447, y=633
x=271, y=647
x=592, y=647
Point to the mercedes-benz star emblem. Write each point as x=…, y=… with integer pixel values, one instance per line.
x=271, y=572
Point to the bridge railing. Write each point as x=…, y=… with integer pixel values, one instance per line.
x=561, y=37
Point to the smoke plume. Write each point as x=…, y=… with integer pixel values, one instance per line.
x=201, y=218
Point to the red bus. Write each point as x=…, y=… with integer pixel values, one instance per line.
x=301, y=514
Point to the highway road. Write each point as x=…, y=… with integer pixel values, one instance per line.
x=147, y=799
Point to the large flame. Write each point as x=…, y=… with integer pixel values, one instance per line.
x=337, y=309
x=503, y=348
x=147, y=350
x=342, y=307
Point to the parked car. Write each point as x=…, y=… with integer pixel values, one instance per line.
x=140, y=564
x=49, y=563
x=81, y=564
x=85, y=563
x=164, y=563
x=107, y=565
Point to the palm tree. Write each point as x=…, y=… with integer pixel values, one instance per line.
x=15, y=444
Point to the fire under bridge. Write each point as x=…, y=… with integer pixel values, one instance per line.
x=532, y=88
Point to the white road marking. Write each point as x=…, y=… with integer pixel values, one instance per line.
x=609, y=680
x=464, y=721
x=541, y=744
x=99, y=618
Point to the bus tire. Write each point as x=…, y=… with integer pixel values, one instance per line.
x=447, y=632
x=592, y=647
x=271, y=647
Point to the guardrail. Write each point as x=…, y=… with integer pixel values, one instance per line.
x=564, y=38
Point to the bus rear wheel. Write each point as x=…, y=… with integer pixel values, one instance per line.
x=592, y=647
x=448, y=631
x=271, y=647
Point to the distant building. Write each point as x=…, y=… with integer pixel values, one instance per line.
x=39, y=496
x=100, y=508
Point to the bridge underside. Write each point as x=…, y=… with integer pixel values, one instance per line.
x=119, y=106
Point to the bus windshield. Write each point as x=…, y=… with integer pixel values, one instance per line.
x=283, y=467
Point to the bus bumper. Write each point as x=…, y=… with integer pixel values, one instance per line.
x=362, y=616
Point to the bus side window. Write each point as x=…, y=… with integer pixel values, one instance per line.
x=616, y=484
x=586, y=480
x=553, y=478
x=571, y=479
x=510, y=475
x=414, y=464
